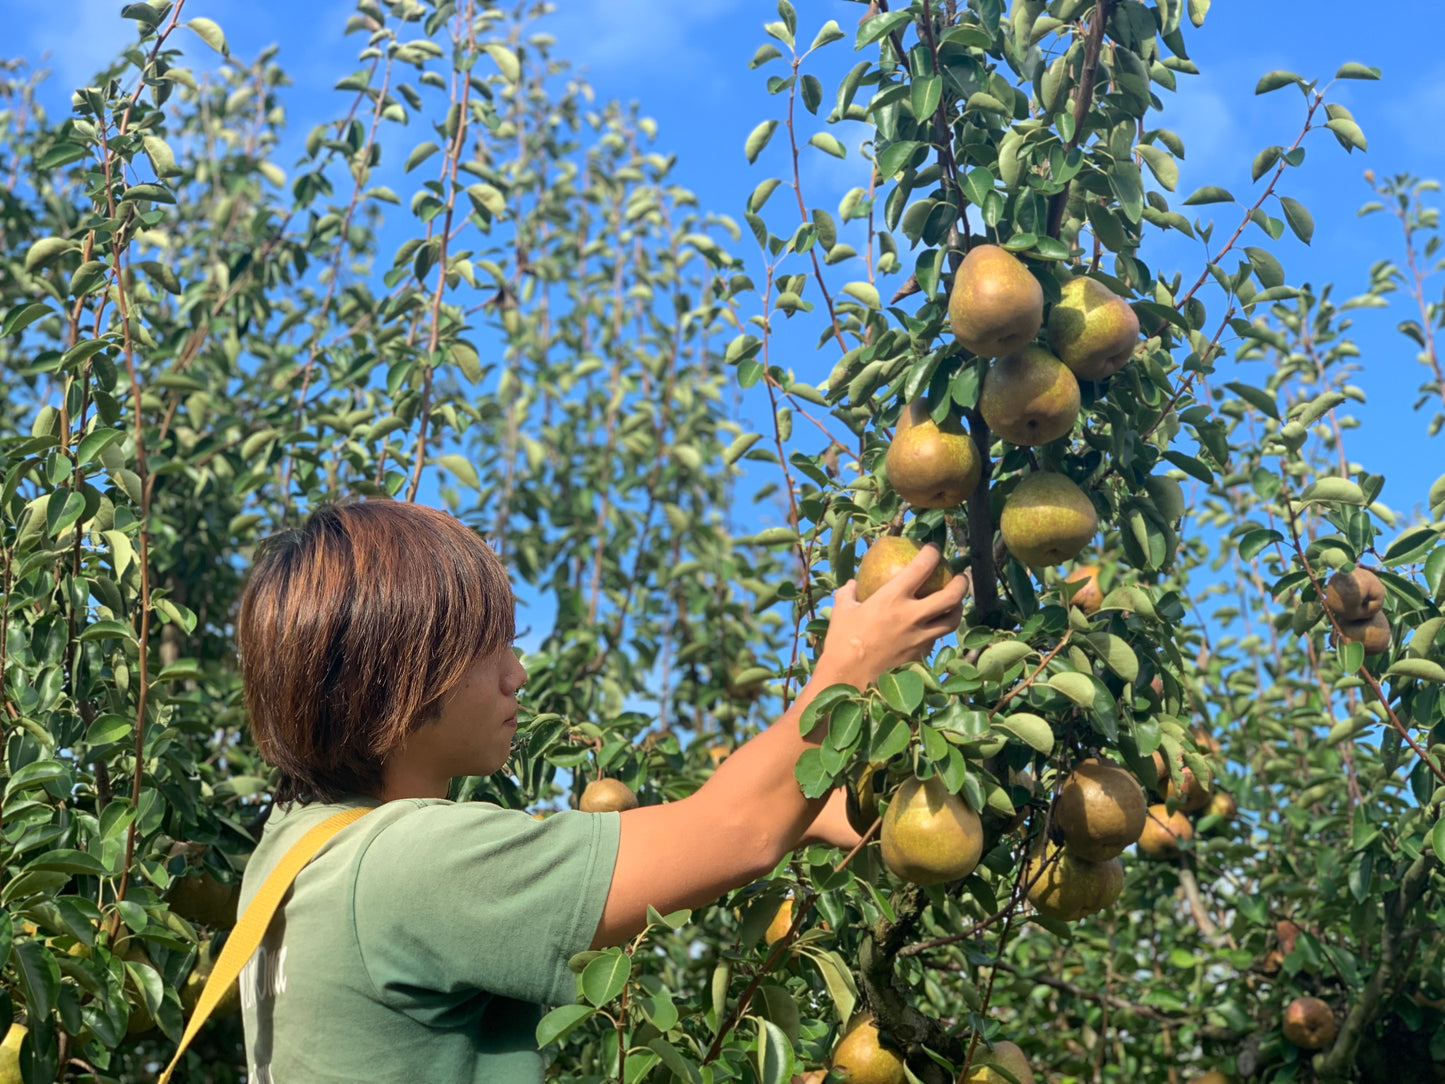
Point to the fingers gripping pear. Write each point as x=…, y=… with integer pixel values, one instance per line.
x=996, y=306
x=1092, y=329
x=931, y=465
x=887, y=557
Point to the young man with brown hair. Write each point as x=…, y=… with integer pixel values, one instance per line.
x=421, y=942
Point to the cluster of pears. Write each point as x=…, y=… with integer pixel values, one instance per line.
x=1099, y=812
x=1165, y=832
x=1357, y=601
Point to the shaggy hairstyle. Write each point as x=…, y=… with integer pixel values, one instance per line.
x=352, y=630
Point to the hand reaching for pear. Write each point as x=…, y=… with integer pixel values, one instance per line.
x=893, y=626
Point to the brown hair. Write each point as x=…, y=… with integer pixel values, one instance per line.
x=352, y=629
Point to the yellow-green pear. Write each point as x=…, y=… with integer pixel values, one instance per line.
x=1068, y=888
x=861, y=1058
x=1164, y=832
x=1004, y=1055
x=929, y=834
x=1092, y=329
x=1047, y=520
x=996, y=306
x=931, y=465
x=10, y=1055
x=888, y=556
x=1030, y=398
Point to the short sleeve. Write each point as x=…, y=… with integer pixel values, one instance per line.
x=461, y=897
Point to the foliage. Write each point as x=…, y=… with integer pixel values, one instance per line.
x=197, y=348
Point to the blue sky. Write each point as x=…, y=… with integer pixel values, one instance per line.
x=686, y=64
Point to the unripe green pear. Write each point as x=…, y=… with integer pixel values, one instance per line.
x=1092, y=329
x=1030, y=397
x=931, y=465
x=1004, y=1054
x=995, y=306
x=1047, y=519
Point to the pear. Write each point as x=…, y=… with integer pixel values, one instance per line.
x=1221, y=805
x=1164, y=832
x=887, y=557
x=1373, y=633
x=1030, y=398
x=1069, y=888
x=1100, y=810
x=1005, y=1055
x=1214, y=1076
x=204, y=899
x=1354, y=596
x=861, y=801
x=1287, y=932
x=1092, y=329
x=230, y=1002
x=929, y=835
x=10, y=1054
x=1088, y=596
x=607, y=796
x=1195, y=795
x=1309, y=1023
x=1047, y=519
x=782, y=921
x=931, y=465
x=861, y=1058
x=996, y=306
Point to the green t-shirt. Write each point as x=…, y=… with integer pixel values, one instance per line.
x=422, y=941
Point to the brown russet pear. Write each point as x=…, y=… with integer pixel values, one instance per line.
x=1068, y=888
x=996, y=306
x=1164, y=832
x=1373, y=633
x=930, y=835
x=1092, y=329
x=1194, y=795
x=1047, y=520
x=1100, y=810
x=1354, y=596
x=887, y=557
x=1286, y=932
x=1004, y=1054
x=1088, y=595
x=607, y=796
x=1030, y=397
x=861, y=1057
x=1309, y=1023
x=931, y=465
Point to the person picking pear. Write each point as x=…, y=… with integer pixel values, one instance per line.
x=423, y=940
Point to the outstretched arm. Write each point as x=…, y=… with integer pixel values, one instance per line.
x=751, y=813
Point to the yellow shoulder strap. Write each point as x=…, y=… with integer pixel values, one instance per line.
x=246, y=937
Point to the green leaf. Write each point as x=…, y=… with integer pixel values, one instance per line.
x=774, y=1054
x=1355, y=70
x=1255, y=541
x=47, y=249
x=210, y=33
x=420, y=153
x=1261, y=400
x=163, y=161
x=1161, y=164
x=462, y=467
x=877, y=26
x=681, y=1067
x=1411, y=546
x=1263, y=161
x=865, y=292
x=505, y=60
x=998, y=658
x=1077, y=687
x=1276, y=79
x=758, y=139
x=740, y=445
x=1208, y=194
x=1030, y=729
x=827, y=35
x=1298, y=217
x=838, y=979
x=1437, y=838
x=39, y=977
x=902, y=691
x=1349, y=134
x=1422, y=669
x=1333, y=490
x=827, y=143
x=560, y=1021
x=1198, y=9
x=1118, y=656
x=605, y=977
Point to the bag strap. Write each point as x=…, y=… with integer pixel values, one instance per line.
x=251, y=927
